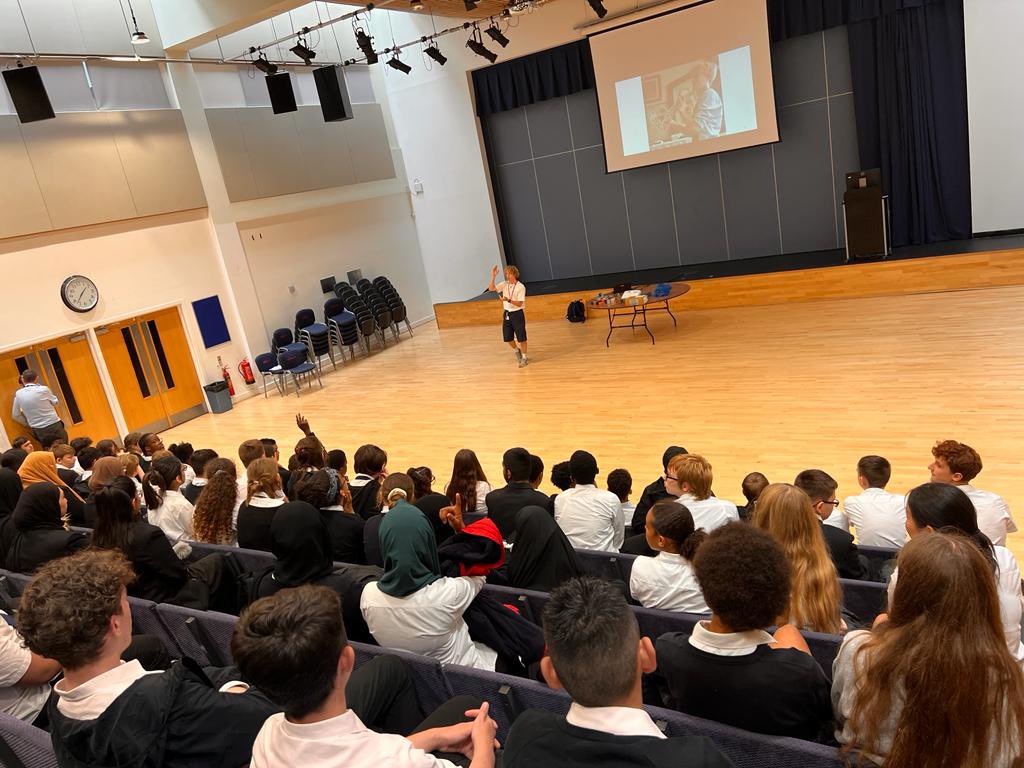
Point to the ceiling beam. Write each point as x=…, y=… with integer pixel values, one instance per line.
x=187, y=24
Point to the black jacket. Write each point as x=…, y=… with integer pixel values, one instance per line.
x=191, y=492
x=30, y=550
x=364, y=499
x=504, y=504
x=844, y=553
x=652, y=494
x=161, y=574
x=371, y=541
x=176, y=718
x=540, y=738
x=254, y=526
x=346, y=536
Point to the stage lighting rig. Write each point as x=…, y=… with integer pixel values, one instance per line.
x=476, y=45
x=496, y=35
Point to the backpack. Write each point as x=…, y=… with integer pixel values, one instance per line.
x=576, y=313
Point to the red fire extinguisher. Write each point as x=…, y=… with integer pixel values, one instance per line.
x=246, y=370
x=226, y=375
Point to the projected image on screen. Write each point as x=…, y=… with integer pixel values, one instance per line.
x=688, y=83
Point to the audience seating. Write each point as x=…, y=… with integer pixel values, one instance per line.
x=267, y=365
x=24, y=746
x=316, y=336
x=297, y=364
x=341, y=323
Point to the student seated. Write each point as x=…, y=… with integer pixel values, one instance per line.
x=653, y=493
x=751, y=486
x=821, y=490
x=731, y=669
x=107, y=712
x=149, y=444
x=166, y=507
x=689, y=477
x=561, y=479
x=262, y=500
x=503, y=504
x=212, y=520
x=469, y=483
x=86, y=458
x=10, y=491
x=271, y=451
x=183, y=453
x=590, y=517
x=338, y=461
x=878, y=517
x=294, y=647
x=104, y=470
x=933, y=685
x=37, y=532
x=429, y=501
x=107, y=447
x=248, y=452
x=397, y=489
x=667, y=581
x=41, y=467
x=370, y=464
x=328, y=491
x=958, y=464
x=542, y=557
x=620, y=482
x=596, y=653
x=198, y=462
x=536, y=471
x=65, y=456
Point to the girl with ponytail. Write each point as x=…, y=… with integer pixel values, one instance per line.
x=168, y=509
x=668, y=581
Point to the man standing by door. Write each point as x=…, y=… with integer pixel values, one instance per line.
x=33, y=407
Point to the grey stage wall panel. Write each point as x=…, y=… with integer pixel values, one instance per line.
x=22, y=208
x=798, y=67
x=837, y=61
x=563, y=214
x=803, y=174
x=604, y=210
x=651, y=217
x=748, y=181
x=845, y=151
x=518, y=184
x=509, y=137
x=584, y=120
x=549, y=127
x=700, y=215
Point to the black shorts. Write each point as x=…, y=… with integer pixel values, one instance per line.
x=514, y=324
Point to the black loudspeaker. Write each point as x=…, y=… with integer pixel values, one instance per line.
x=333, y=92
x=282, y=97
x=28, y=94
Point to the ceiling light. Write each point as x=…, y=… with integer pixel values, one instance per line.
x=496, y=35
x=435, y=53
x=481, y=50
x=304, y=53
x=396, y=63
x=365, y=43
x=470, y=4
x=416, y=5
x=138, y=36
x=265, y=66
x=599, y=8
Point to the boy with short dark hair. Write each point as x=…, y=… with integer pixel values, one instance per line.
x=596, y=653
x=198, y=462
x=879, y=517
x=503, y=504
x=752, y=485
x=821, y=488
x=620, y=482
x=591, y=518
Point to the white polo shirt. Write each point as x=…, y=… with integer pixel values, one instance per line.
x=710, y=513
x=879, y=517
x=590, y=518
x=23, y=703
x=511, y=292
x=666, y=582
x=994, y=518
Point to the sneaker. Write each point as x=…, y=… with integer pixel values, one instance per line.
x=519, y=356
x=523, y=361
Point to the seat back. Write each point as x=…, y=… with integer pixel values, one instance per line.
x=28, y=746
x=529, y=603
x=282, y=336
x=304, y=317
x=146, y=621
x=604, y=565
x=864, y=599
x=252, y=560
x=877, y=557
x=655, y=622
x=202, y=635
x=333, y=307
x=428, y=678
x=291, y=358
x=265, y=362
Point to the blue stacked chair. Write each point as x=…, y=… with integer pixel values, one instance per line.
x=284, y=341
x=342, y=325
x=297, y=364
x=267, y=365
x=316, y=336
x=364, y=318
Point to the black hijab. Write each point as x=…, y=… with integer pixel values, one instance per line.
x=301, y=543
x=38, y=509
x=542, y=557
x=13, y=458
x=10, y=490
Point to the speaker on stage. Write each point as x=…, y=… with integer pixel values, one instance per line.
x=282, y=97
x=28, y=94
x=333, y=92
x=866, y=215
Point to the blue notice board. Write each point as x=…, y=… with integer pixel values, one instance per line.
x=212, y=324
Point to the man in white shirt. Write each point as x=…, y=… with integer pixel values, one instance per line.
x=957, y=464
x=591, y=518
x=879, y=517
x=596, y=653
x=293, y=646
x=689, y=477
x=33, y=407
x=513, y=301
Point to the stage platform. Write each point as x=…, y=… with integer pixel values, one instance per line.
x=960, y=265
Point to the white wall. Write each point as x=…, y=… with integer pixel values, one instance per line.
x=995, y=101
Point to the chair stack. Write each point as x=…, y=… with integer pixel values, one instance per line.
x=378, y=306
x=399, y=314
x=365, y=322
x=315, y=336
x=267, y=365
x=342, y=325
x=297, y=364
x=284, y=341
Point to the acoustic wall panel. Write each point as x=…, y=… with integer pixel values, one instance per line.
x=22, y=208
x=604, y=210
x=837, y=61
x=584, y=120
x=549, y=127
x=700, y=216
x=563, y=214
x=274, y=154
x=510, y=140
x=518, y=184
x=803, y=172
x=326, y=160
x=232, y=153
x=798, y=68
x=845, y=150
x=651, y=223
x=368, y=143
x=751, y=208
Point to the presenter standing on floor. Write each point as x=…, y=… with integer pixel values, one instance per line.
x=513, y=299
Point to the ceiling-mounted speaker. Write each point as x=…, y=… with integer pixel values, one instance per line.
x=28, y=94
x=282, y=96
x=333, y=92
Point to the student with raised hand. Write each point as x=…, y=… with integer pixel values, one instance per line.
x=596, y=653
x=878, y=517
x=668, y=581
x=213, y=518
x=107, y=712
x=166, y=507
x=815, y=601
x=933, y=685
x=730, y=669
x=940, y=507
x=294, y=647
x=654, y=492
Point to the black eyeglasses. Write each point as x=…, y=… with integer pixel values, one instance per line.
x=669, y=477
x=834, y=503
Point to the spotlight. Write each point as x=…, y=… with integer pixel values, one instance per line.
x=265, y=66
x=365, y=43
x=481, y=50
x=599, y=8
x=416, y=5
x=396, y=63
x=435, y=53
x=496, y=35
x=138, y=36
x=304, y=53
x=470, y=4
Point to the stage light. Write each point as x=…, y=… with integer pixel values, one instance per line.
x=396, y=63
x=138, y=36
x=304, y=53
x=496, y=35
x=470, y=4
x=435, y=53
x=599, y=8
x=265, y=66
x=481, y=50
x=365, y=43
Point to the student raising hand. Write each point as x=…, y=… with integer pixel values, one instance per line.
x=452, y=514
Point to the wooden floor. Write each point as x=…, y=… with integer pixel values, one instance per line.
x=772, y=388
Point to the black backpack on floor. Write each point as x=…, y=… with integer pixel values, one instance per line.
x=576, y=313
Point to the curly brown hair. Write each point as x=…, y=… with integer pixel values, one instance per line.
x=211, y=521
x=65, y=611
x=959, y=457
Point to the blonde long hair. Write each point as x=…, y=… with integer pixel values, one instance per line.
x=815, y=599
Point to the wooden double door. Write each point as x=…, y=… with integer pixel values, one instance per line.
x=67, y=367
x=152, y=370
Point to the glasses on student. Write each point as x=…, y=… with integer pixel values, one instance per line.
x=669, y=477
x=834, y=503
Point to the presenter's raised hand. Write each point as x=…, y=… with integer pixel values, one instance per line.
x=494, y=272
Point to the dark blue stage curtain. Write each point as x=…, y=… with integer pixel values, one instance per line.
x=559, y=71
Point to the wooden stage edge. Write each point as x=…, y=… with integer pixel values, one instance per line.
x=932, y=274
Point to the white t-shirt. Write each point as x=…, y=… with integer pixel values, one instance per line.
x=879, y=517
x=340, y=742
x=590, y=518
x=482, y=489
x=429, y=621
x=174, y=518
x=22, y=703
x=994, y=516
x=510, y=292
x=710, y=513
x=666, y=582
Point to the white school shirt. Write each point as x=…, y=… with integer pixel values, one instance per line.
x=728, y=643
x=666, y=582
x=338, y=742
x=994, y=518
x=617, y=721
x=429, y=621
x=482, y=489
x=590, y=518
x=709, y=513
x=1011, y=602
x=174, y=518
x=879, y=517
x=515, y=292
x=23, y=703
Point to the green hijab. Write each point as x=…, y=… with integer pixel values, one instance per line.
x=409, y=551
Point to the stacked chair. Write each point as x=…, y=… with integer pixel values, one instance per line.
x=365, y=322
x=378, y=306
x=394, y=302
x=297, y=364
x=342, y=325
x=284, y=341
x=267, y=365
x=316, y=336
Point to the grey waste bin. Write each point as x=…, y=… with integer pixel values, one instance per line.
x=217, y=394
